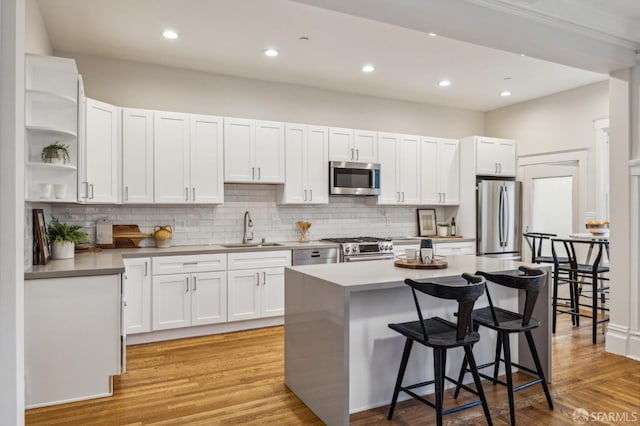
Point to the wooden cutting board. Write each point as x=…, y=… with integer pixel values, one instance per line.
x=128, y=236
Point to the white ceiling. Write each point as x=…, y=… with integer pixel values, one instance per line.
x=229, y=37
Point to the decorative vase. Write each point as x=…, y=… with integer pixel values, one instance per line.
x=163, y=236
x=443, y=231
x=62, y=250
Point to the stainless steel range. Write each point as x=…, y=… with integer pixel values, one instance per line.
x=363, y=248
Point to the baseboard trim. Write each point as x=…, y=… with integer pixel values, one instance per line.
x=616, y=340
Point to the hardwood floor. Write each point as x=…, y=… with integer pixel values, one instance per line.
x=237, y=378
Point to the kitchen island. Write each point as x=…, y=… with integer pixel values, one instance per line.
x=340, y=356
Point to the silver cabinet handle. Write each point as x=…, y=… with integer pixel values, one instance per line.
x=305, y=195
x=195, y=284
x=264, y=278
x=311, y=192
x=126, y=193
x=189, y=263
x=186, y=194
x=253, y=173
x=403, y=196
x=146, y=267
x=258, y=277
x=86, y=189
x=193, y=193
x=91, y=186
x=187, y=289
x=357, y=154
x=352, y=157
x=500, y=168
x=258, y=173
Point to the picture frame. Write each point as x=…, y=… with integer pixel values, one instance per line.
x=427, y=224
x=40, y=243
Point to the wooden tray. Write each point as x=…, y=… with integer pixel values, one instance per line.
x=128, y=236
x=416, y=264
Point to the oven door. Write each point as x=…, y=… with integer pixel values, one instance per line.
x=367, y=257
x=350, y=178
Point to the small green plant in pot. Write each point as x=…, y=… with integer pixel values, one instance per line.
x=63, y=238
x=443, y=229
x=56, y=153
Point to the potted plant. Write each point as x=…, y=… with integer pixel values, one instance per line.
x=63, y=238
x=443, y=229
x=56, y=153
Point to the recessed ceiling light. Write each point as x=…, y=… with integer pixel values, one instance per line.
x=170, y=34
x=433, y=34
x=444, y=83
x=271, y=52
x=505, y=93
x=368, y=68
x=522, y=54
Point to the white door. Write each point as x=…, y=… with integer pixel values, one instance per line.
x=341, y=144
x=409, y=169
x=272, y=292
x=243, y=293
x=207, y=162
x=102, y=152
x=550, y=201
x=317, y=165
x=388, y=150
x=137, y=295
x=171, y=301
x=171, y=157
x=429, y=191
x=295, y=184
x=208, y=298
x=269, y=152
x=449, y=171
x=365, y=146
x=239, y=155
x=137, y=155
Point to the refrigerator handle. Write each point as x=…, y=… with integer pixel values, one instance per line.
x=501, y=217
x=506, y=215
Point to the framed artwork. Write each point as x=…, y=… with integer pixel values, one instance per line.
x=427, y=222
x=40, y=244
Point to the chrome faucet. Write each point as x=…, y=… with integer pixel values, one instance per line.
x=247, y=223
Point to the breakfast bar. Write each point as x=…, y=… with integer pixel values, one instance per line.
x=340, y=356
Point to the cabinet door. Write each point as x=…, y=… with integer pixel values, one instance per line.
x=243, y=294
x=208, y=298
x=137, y=295
x=207, y=162
x=409, y=169
x=102, y=152
x=272, y=292
x=388, y=150
x=269, y=152
x=341, y=144
x=239, y=155
x=317, y=165
x=295, y=190
x=486, y=159
x=429, y=191
x=171, y=157
x=506, y=157
x=171, y=301
x=365, y=146
x=449, y=171
x=137, y=155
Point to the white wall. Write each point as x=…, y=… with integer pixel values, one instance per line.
x=36, y=39
x=173, y=89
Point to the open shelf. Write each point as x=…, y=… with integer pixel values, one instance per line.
x=50, y=97
x=51, y=131
x=51, y=166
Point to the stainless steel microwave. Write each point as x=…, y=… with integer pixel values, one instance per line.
x=351, y=178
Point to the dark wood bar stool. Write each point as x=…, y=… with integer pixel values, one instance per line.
x=506, y=322
x=535, y=242
x=440, y=335
x=577, y=275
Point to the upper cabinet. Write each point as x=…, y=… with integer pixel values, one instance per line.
x=254, y=151
x=399, y=168
x=307, y=165
x=439, y=171
x=353, y=145
x=188, y=158
x=51, y=117
x=495, y=157
x=137, y=156
x=100, y=153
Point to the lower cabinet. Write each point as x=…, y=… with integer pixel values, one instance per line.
x=454, y=248
x=255, y=293
x=137, y=295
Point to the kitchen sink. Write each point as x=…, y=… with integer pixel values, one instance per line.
x=250, y=245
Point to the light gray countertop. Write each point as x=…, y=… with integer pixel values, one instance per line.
x=109, y=261
x=414, y=240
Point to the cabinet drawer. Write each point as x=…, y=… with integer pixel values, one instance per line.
x=452, y=249
x=188, y=264
x=261, y=259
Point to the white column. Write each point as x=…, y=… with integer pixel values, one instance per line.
x=11, y=212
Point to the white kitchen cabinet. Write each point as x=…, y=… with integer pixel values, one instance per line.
x=137, y=295
x=495, y=157
x=189, y=290
x=256, y=284
x=439, y=171
x=137, y=156
x=454, y=248
x=399, y=168
x=100, y=181
x=254, y=151
x=353, y=145
x=188, y=158
x=52, y=87
x=307, y=165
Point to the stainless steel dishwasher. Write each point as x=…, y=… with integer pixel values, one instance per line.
x=314, y=256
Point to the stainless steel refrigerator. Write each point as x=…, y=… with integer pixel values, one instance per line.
x=498, y=215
